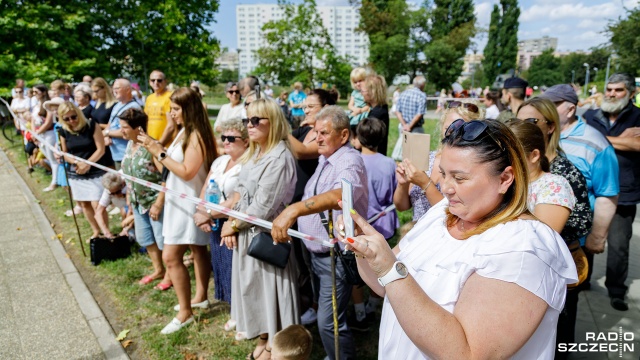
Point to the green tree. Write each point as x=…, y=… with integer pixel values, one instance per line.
x=545, y=70
x=501, y=51
x=625, y=35
x=296, y=46
x=573, y=62
x=387, y=24
x=453, y=27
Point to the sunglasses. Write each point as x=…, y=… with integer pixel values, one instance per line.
x=156, y=80
x=470, y=131
x=455, y=104
x=255, y=121
x=237, y=92
x=232, y=138
x=69, y=118
x=535, y=121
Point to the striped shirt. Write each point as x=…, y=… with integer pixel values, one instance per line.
x=595, y=157
x=345, y=163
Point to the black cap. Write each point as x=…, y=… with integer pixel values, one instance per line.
x=562, y=92
x=515, y=83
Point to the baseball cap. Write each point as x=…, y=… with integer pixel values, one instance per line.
x=515, y=83
x=561, y=92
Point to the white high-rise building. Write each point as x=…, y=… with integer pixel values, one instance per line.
x=340, y=22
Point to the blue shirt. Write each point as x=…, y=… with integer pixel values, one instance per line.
x=411, y=103
x=595, y=157
x=119, y=145
x=297, y=97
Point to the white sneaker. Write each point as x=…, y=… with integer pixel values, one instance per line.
x=175, y=325
x=241, y=335
x=114, y=211
x=201, y=305
x=309, y=317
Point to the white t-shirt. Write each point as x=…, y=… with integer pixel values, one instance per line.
x=227, y=112
x=551, y=189
x=226, y=181
x=118, y=201
x=525, y=252
x=492, y=112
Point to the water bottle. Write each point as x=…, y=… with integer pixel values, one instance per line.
x=213, y=195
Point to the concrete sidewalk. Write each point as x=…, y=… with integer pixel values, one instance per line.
x=46, y=310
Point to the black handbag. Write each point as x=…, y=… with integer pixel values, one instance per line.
x=350, y=266
x=263, y=249
x=109, y=249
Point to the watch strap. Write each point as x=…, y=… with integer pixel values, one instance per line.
x=392, y=275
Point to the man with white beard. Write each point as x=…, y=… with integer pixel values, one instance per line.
x=619, y=121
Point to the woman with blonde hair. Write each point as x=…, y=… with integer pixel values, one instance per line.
x=102, y=94
x=264, y=297
x=187, y=161
x=420, y=189
x=82, y=138
x=374, y=92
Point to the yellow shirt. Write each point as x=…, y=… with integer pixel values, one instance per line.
x=157, y=107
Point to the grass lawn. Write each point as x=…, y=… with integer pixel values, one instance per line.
x=145, y=311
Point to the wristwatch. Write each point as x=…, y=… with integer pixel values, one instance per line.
x=162, y=156
x=107, y=132
x=233, y=226
x=398, y=271
x=209, y=212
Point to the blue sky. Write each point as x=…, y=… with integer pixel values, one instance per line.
x=578, y=25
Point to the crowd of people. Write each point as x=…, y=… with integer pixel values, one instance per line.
x=515, y=201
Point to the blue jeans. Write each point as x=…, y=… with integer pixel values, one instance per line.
x=321, y=267
x=148, y=231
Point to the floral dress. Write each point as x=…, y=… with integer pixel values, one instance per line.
x=139, y=163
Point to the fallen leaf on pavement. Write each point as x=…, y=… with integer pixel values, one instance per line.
x=18, y=228
x=59, y=236
x=122, y=335
x=126, y=343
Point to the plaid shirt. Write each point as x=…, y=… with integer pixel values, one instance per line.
x=411, y=103
x=345, y=163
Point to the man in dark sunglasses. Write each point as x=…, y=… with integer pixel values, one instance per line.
x=157, y=107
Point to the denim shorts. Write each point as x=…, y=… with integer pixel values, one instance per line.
x=148, y=231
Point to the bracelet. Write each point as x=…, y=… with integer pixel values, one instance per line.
x=424, y=190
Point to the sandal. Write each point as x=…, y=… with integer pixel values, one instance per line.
x=163, y=287
x=250, y=356
x=146, y=280
x=230, y=325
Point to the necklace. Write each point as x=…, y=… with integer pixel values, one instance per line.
x=462, y=225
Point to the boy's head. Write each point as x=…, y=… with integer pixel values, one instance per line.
x=292, y=343
x=370, y=132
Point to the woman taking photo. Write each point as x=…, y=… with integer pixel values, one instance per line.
x=420, y=189
x=105, y=100
x=224, y=171
x=264, y=297
x=187, y=160
x=374, y=91
x=147, y=203
x=478, y=253
x=83, y=139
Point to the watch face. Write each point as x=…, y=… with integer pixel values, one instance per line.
x=401, y=269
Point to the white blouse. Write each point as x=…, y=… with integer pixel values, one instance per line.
x=226, y=181
x=525, y=252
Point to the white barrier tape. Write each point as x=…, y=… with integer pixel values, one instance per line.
x=384, y=212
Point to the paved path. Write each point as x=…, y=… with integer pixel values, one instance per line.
x=46, y=310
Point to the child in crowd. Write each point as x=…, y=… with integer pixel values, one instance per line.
x=292, y=343
x=381, y=177
x=358, y=107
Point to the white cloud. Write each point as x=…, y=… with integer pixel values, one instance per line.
x=591, y=24
x=539, y=12
x=483, y=13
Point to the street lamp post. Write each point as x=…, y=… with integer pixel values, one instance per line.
x=595, y=78
x=573, y=76
x=586, y=81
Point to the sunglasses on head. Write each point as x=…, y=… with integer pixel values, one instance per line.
x=469, y=106
x=231, y=138
x=69, y=118
x=255, y=121
x=470, y=131
x=237, y=92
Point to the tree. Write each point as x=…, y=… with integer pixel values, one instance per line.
x=501, y=51
x=624, y=40
x=387, y=25
x=545, y=70
x=573, y=62
x=299, y=49
x=47, y=40
x=453, y=27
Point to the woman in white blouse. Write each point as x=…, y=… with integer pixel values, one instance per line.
x=224, y=171
x=478, y=276
x=231, y=110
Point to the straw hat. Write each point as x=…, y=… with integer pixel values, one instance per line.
x=55, y=101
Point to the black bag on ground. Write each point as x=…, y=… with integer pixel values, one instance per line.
x=109, y=249
x=263, y=249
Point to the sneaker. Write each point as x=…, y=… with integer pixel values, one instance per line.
x=309, y=317
x=355, y=325
x=114, y=211
x=619, y=304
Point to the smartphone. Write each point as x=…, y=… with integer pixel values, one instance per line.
x=415, y=147
x=347, y=204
